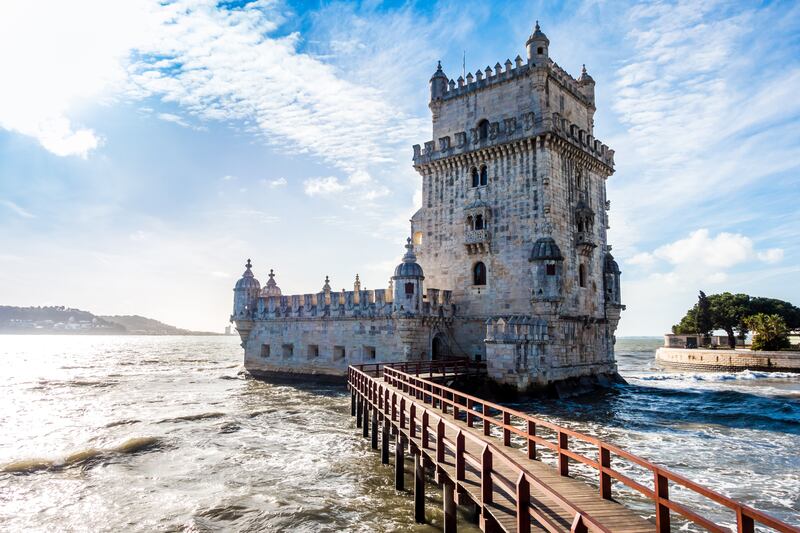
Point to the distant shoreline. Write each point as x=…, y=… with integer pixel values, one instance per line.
x=110, y=333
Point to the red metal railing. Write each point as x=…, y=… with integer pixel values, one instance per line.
x=459, y=403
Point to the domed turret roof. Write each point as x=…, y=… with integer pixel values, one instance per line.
x=439, y=73
x=409, y=267
x=546, y=248
x=248, y=280
x=610, y=265
x=585, y=77
x=538, y=35
x=271, y=288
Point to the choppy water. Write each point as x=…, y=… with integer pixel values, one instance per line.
x=163, y=434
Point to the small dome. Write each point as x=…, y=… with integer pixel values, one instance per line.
x=248, y=281
x=439, y=73
x=610, y=266
x=271, y=288
x=409, y=268
x=585, y=78
x=538, y=35
x=545, y=248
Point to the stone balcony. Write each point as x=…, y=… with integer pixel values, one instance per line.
x=584, y=242
x=477, y=241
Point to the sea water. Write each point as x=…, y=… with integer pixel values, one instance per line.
x=167, y=434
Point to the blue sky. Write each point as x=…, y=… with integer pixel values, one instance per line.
x=148, y=149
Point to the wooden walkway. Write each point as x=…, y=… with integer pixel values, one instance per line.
x=451, y=434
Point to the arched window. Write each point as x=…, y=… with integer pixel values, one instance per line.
x=470, y=223
x=582, y=275
x=484, y=175
x=479, y=274
x=479, y=222
x=483, y=130
x=474, y=174
x=409, y=289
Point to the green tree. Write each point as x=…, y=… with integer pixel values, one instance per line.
x=728, y=312
x=688, y=324
x=704, y=320
x=769, y=331
x=771, y=306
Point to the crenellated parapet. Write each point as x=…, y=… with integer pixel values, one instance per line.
x=516, y=329
x=511, y=130
x=327, y=305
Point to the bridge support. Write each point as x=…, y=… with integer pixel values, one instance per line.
x=399, y=458
x=385, y=442
x=365, y=421
x=419, y=488
x=359, y=408
x=374, y=429
x=450, y=517
x=353, y=403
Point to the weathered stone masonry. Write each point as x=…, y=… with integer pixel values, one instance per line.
x=512, y=230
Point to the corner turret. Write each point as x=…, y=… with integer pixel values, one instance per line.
x=537, y=46
x=407, y=280
x=245, y=294
x=438, y=83
x=586, y=85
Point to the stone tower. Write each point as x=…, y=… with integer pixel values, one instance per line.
x=514, y=218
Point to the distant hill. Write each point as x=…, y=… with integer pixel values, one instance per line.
x=66, y=320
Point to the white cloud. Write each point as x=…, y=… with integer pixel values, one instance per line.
x=170, y=117
x=773, y=255
x=323, y=186
x=643, y=258
x=280, y=182
x=17, y=209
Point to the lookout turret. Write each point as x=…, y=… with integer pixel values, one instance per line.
x=407, y=280
x=438, y=83
x=245, y=294
x=537, y=46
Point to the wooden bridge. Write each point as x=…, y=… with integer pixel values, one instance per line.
x=489, y=457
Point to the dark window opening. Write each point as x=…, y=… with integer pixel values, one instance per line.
x=338, y=352
x=369, y=352
x=551, y=270
x=479, y=222
x=484, y=175
x=483, y=130
x=265, y=350
x=582, y=275
x=474, y=174
x=580, y=225
x=313, y=351
x=409, y=288
x=479, y=274
x=540, y=50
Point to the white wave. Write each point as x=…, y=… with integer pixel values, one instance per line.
x=745, y=375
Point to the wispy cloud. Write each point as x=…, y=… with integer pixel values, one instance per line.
x=17, y=209
x=274, y=184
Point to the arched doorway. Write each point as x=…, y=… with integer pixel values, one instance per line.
x=439, y=348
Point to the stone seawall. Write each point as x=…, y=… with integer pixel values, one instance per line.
x=727, y=360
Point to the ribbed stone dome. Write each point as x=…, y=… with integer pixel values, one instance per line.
x=248, y=280
x=409, y=267
x=610, y=265
x=538, y=35
x=546, y=248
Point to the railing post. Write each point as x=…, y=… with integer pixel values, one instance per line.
x=744, y=524
x=470, y=408
x=449, y=503
x=385, y=441
x=456, y=408
x=531, y=442
x=399, y=458
x=365, y=422
x=661, y=486
x=440, y=441
x=460, y=456
x=523, y=501
x=412, y=421
x=486, y=476
x=419, y=488
x=352, y=403
x=359, y=408
x=394, y=406
x=487, y=424
x=374, y=429
x=425, y=423
x=506, y=431
x=578, y=525
x=402, y=413
x=605, y=479
x=563, y=460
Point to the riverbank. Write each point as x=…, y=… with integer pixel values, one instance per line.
x=728, y=360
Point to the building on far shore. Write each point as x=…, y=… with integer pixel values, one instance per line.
x=507, y=260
